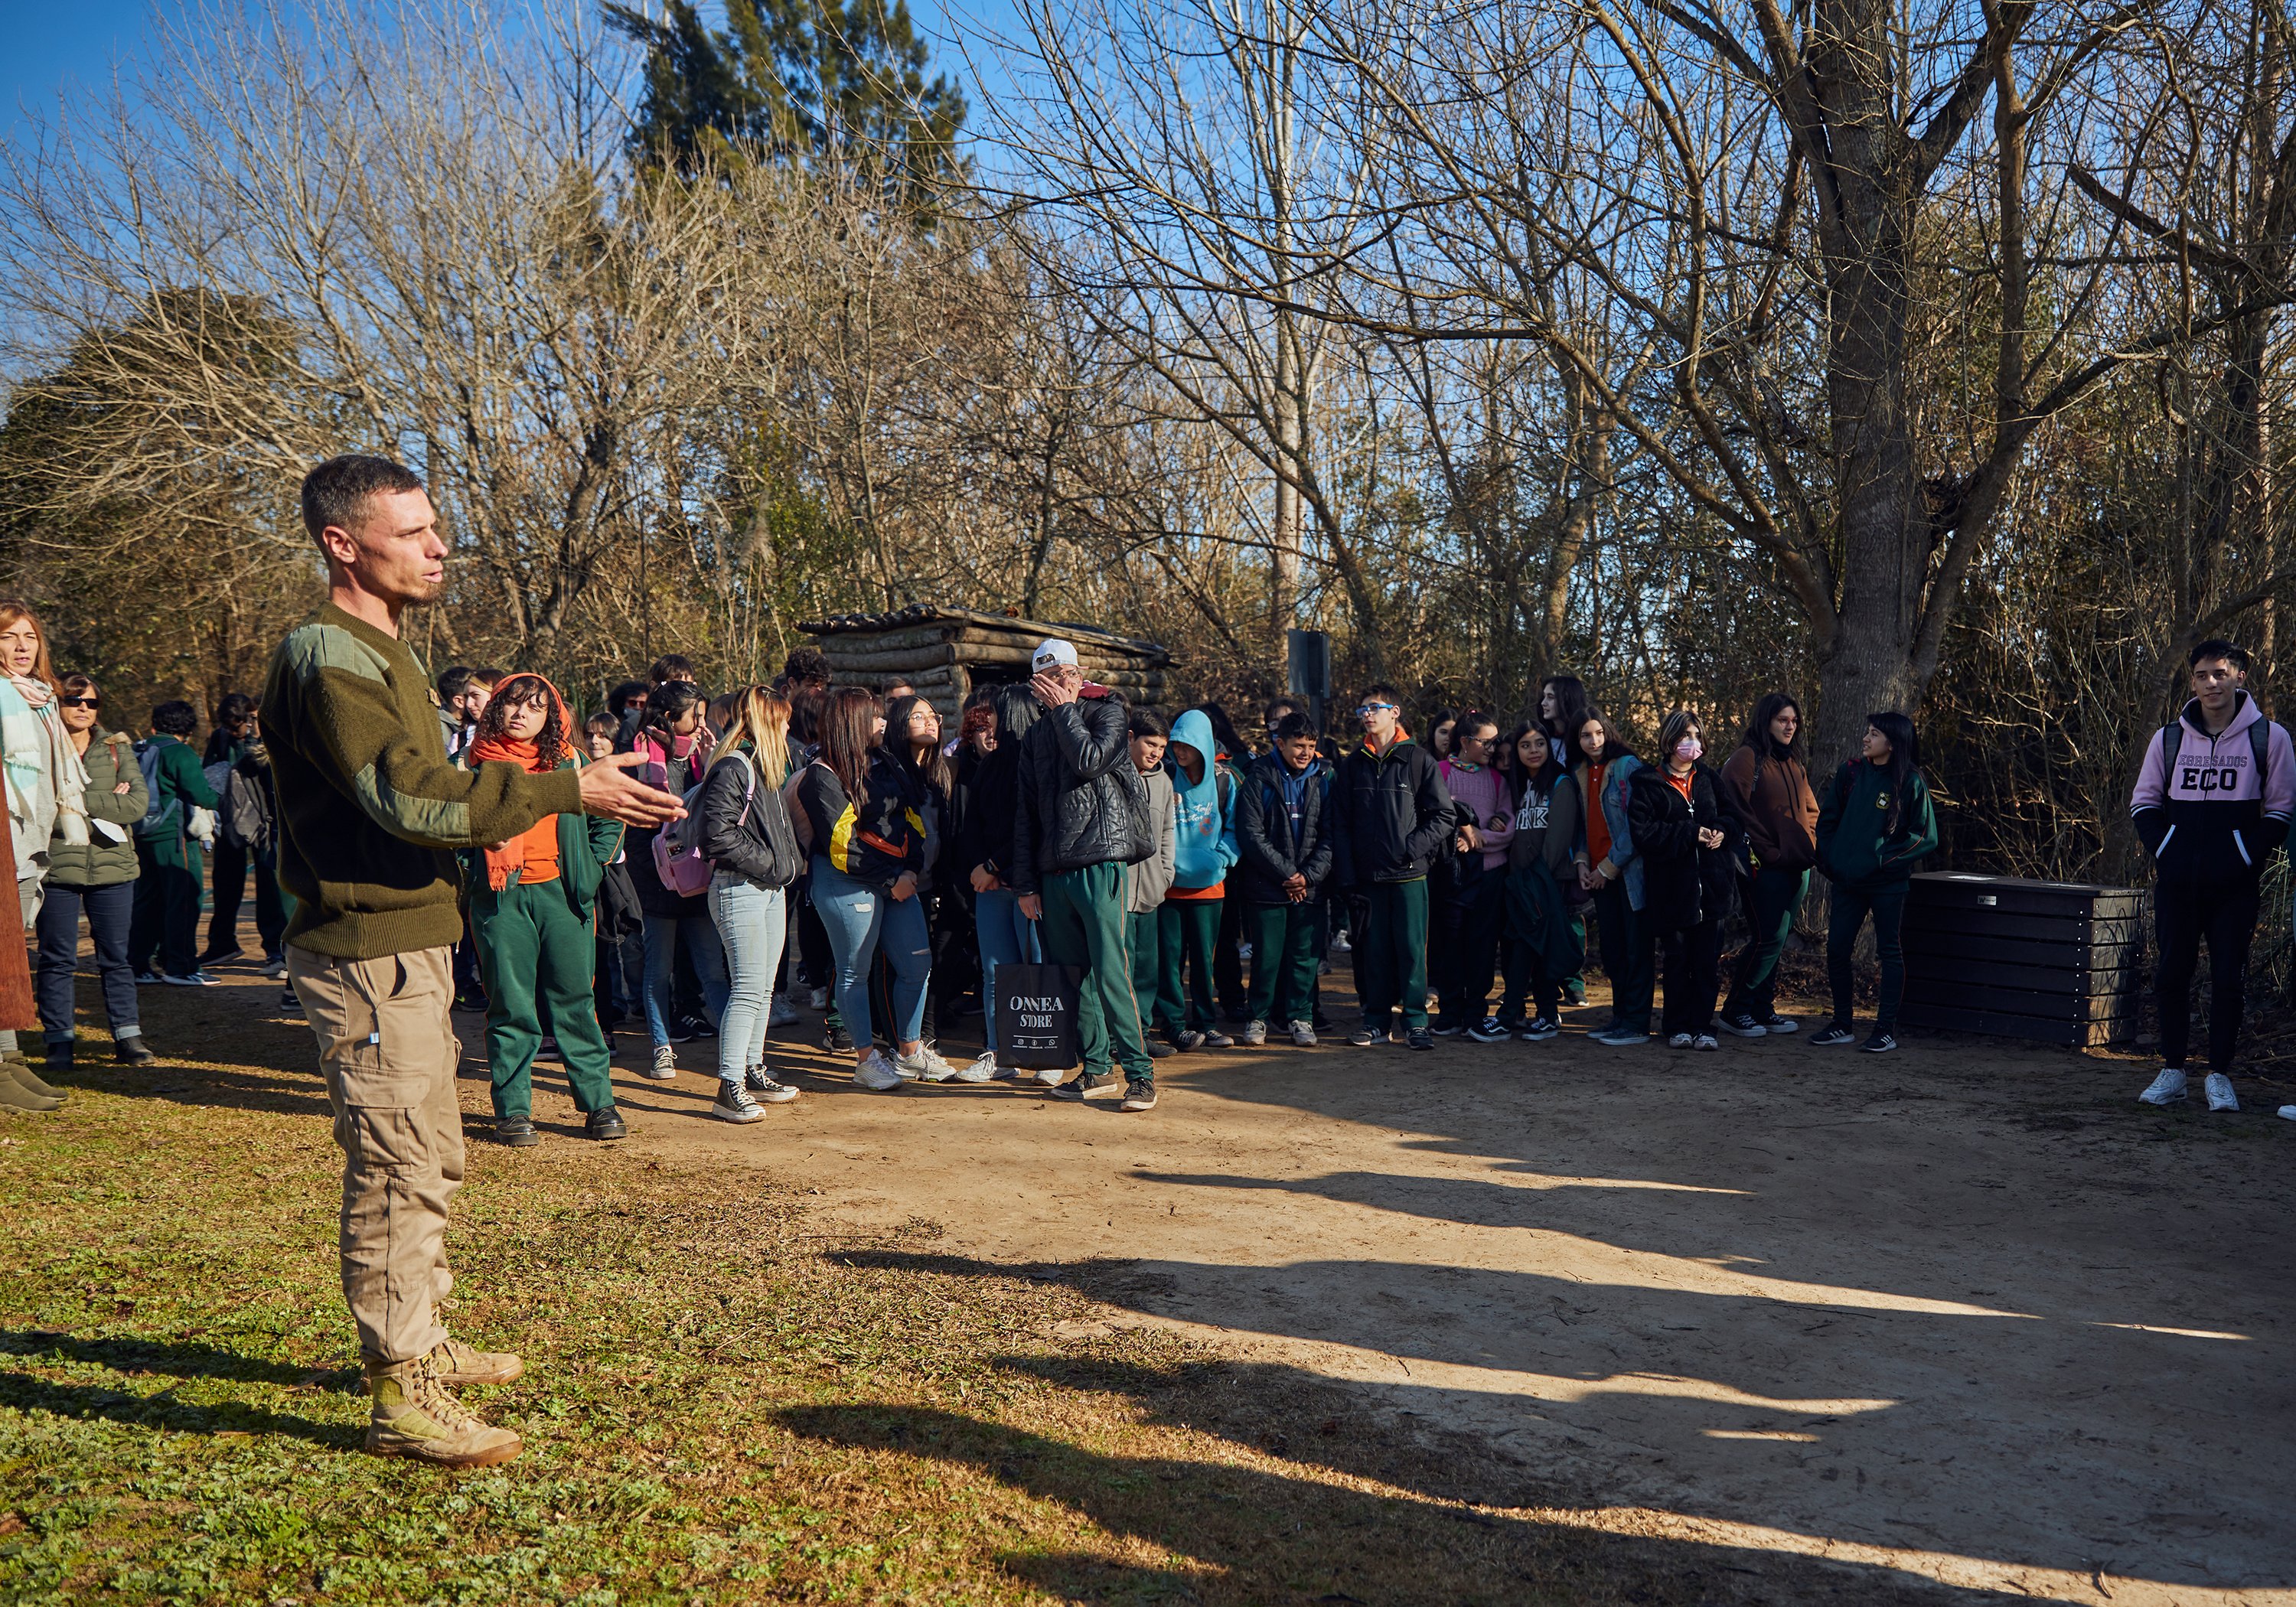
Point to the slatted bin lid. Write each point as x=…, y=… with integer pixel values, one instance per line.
x=2055, y=962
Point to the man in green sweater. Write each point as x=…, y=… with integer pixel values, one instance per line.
x=370, y=809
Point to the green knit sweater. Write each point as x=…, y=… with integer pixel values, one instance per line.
x=370, y=805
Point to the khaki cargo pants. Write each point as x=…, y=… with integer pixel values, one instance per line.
x=390, y=1054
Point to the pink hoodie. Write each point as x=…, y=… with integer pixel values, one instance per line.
x=2218, y=814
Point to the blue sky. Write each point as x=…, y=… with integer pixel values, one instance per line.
x=52, y=44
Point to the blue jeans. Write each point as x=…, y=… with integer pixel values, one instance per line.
x=109, y=910
x=753, y=922
x=1006, y=937
x=858, y=918
x=663, y=934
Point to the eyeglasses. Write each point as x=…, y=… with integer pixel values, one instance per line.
x=1366, y=710
x=81, y=703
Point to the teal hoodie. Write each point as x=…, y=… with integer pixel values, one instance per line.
x=1204, y=814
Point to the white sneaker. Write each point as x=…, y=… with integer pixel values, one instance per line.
x=1051, y=1079
x=665, y=1064
x=926, y=1063
x=2219, y=1090
x=1707, y=1040
x=818, y=999
x=876, y=1073
x=784, y=1013
x=2167, y=1089
x=1680, y=1040
x=982, y=1069
x=2288, y=1112
x=1303, y=1035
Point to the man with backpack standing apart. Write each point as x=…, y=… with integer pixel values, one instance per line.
x=2212, y=802
x=167, y=913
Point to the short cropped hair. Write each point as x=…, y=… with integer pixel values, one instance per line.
x=1382, y=692
x=453, y=681
x=174, y=717
x=336, y=492
x=1146, y=722
x=671, y=667
x=805, y=667
x=2216, y=647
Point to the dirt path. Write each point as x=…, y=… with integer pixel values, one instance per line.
x=1965, y=1312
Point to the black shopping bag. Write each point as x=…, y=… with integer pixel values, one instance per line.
x=1037, y=1017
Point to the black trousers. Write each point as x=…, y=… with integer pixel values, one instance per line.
x=1845, y=913
x=1694, y=965
x=2224, y=913
x=229, y=888
x=1471, y=914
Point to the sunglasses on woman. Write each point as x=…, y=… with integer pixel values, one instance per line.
x=81, y=703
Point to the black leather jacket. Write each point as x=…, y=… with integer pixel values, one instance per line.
x=746, y=833
x=1081, y=798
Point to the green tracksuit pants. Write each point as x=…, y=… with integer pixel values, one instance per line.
x=1084, y=927
x=537, y=957
x=1392, y=968
x=1188, y=933
x=1139, y=931
x=1287, y=946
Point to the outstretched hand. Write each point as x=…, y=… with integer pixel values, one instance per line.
x=608, y=789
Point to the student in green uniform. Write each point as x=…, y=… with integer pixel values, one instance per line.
x=531, y=900
x=166, y=921
x=1875, y=825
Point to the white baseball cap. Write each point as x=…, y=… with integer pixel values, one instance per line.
x=1050, y=652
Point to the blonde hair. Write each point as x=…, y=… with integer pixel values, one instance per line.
x=44, y=668
x=761, y=717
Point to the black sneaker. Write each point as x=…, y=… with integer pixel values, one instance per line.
x=60, y=1053
x=1490, y=1029
x=472, y=1000
x=516, y=1131
x=1092, y=1084
x=696, y=1027
x=1420, y=1039
x=1366, y=1037
x=1189, y=1039
x=1158, y=1049
x=1540, y=1028
x=1217, y=1039
x=1449, y=1029
x=287, y=999
x=132, y=1051
x=1741, y=1025
x=1139, y=1094
x=222, y=956
x=607, y=1125
x=1776, y=1025
x=836, y=1039
x=1831, y=1036
x=1880, y=1042
x=1574, y=993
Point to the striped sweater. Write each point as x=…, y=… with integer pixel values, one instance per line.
x=370, y=806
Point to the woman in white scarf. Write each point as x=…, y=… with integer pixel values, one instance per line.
x=48, y=784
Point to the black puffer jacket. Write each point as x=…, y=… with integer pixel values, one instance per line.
x=1683, y=883
x=1390, y=815
x=1263, y=832
x=1080, y=797
x=745, y=828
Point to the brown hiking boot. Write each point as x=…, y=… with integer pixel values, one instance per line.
x=16, y=1066
x=17, y=1095
x=414, y=1417
x=456, y=1363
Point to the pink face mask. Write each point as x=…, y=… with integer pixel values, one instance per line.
x=1688, y=749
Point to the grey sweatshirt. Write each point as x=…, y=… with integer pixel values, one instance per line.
x=1150, y=880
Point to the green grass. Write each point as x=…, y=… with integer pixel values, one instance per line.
x=720, y=1405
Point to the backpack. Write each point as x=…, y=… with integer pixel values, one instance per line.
x=161, y=820
x=682, y=866
x=246, y=812
x=2260, y=742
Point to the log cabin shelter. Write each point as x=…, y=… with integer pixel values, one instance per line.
x=944, y=653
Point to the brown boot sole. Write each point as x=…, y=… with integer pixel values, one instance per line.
x=421, y=1450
